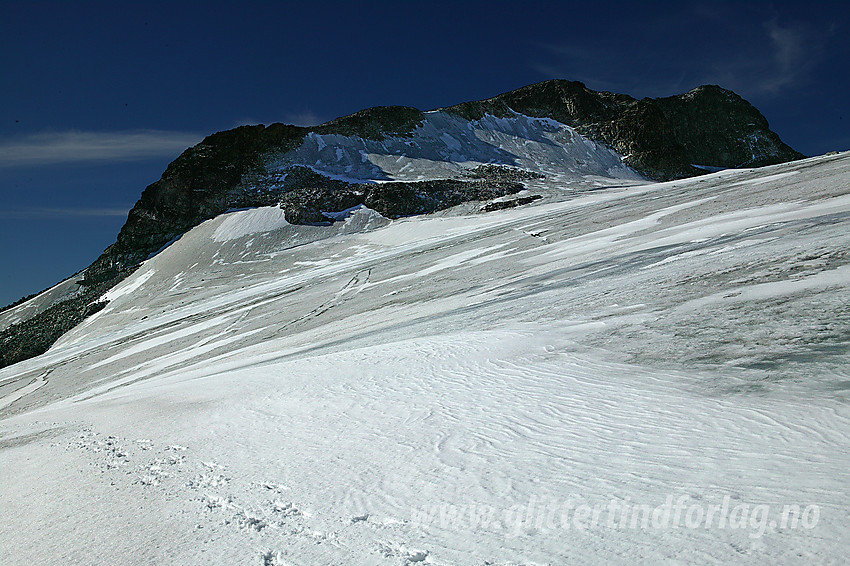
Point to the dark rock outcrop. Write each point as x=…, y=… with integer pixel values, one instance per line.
x=307, y=203
x=660, y=137
x=510, y=203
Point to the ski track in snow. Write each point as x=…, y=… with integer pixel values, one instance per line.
x=260, y=393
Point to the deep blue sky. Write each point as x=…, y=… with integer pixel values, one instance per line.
x=97, y=98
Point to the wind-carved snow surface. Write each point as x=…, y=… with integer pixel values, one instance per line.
x=458, y=390
x=446, y=146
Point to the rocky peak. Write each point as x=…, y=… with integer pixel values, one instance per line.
x=717, y=127
x=660, y=137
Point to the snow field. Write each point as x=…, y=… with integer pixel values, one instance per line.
x=347, y=394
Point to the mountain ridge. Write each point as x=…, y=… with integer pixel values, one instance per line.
x=643, y=133
x=659, y=138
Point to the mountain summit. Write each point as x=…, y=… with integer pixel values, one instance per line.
x=564, y=362
x=400, y=161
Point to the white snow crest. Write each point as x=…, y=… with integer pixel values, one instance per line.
x=244, y=222
x=128, y=286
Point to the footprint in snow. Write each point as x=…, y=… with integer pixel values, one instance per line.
x=416, y=556
x=408, y=556
x=272, y=558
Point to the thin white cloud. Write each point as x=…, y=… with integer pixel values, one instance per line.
x=76, y=146
x=56, y=212
x=770, y=59
x=784, y=62
x=793, y=51
x=787, y=45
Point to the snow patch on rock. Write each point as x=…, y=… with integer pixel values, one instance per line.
x=447, y=146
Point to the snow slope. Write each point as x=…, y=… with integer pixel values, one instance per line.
x=464, y=389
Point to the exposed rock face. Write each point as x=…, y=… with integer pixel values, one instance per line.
x=512, y=203
x=660, y=138
x=716, y=127
x=312, y=194
x=392, y=200
x=200, y=184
